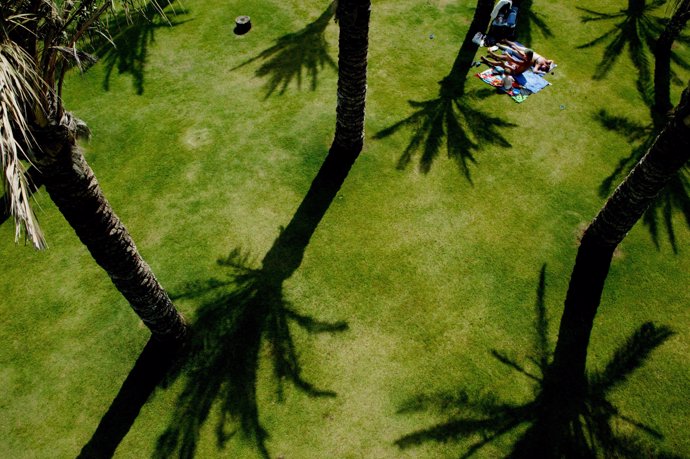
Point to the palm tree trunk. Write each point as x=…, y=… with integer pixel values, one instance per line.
x=669, y=152
x=73, y=187
x=353, y=43
x=662, y=58
x=557, y=430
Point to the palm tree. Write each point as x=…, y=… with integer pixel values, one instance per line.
x=666, y=156
x=675, y=197
x=590, y=430
x=230, y=329
x=353, y=45
x=38, y=46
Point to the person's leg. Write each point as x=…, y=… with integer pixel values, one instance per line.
x=490, y=63
x=498, y=57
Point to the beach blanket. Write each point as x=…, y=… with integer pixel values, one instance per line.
x=496, y=80
x=531, y=81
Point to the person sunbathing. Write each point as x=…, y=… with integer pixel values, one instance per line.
x=540, y=64
x=512, y=65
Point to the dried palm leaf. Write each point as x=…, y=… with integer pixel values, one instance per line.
x=18, y=91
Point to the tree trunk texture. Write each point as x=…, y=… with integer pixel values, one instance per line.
x=662, y=58
x=353, y=19
x=669, y=152
x=73, y=187
x=558, y=429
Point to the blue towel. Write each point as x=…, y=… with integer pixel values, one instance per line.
x=512, y=17
x=531, y=81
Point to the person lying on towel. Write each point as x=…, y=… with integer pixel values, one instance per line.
x=513, y=65
x=540, y=65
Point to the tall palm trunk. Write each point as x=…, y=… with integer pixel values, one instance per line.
x=73, y=187
x=662, y=58
x=669, y=152
x=353, y=43
x=563, y=397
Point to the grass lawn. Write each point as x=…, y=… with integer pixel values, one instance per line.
x=431, y=271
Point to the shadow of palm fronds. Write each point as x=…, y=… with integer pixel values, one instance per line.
x=637, y=29
x=128, y=39
x=450, y=120
x=244, y=320
x=675, y=198
x=305, y=51
x=529, y=20
x=584, y=428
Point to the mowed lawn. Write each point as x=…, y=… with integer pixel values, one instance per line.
x=430, y=270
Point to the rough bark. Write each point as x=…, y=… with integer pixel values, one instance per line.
x=557, y=431
x=73, y=187
x=353, y=43
x=669, y=152
x=662, y=57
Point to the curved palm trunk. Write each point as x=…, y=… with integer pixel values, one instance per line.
x=564, y=388
x=662, y=57
x=353, y=43
x=557, y=430
x=73, y=187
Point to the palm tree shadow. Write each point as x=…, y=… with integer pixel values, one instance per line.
x=127, y=45
x=674, y=198
x=637, y=29
x=244, y=320
x=529, y=20
x=305, y=51
x=451, y=118
x=586, y=428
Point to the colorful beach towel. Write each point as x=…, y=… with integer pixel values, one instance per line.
x=495, y=79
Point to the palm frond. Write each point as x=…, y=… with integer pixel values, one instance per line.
x=18, y=91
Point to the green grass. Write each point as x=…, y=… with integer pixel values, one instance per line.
x=430, y=272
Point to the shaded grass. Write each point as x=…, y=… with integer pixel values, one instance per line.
x=428, y=271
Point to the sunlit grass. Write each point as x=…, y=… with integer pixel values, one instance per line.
x=428, y=271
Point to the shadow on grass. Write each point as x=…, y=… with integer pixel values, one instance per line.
x=528, y=21
x=244, y=319
x=634, y=27
x=451, y=118
x=675, y=197
x=305, y=51
x=586, y=427
x=129, y=38
x=150, y=369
